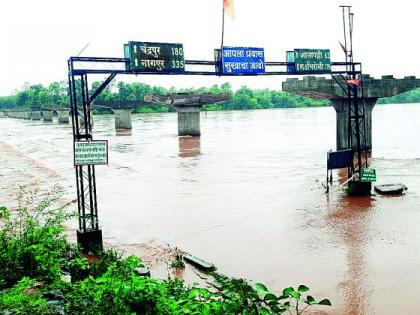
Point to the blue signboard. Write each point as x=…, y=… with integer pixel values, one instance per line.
x=241, y=60
x=290, y=58
x=340, y=159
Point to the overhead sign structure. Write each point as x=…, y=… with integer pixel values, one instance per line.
x=290, y=58
x=368, y=175
x=312, y=61
x=155, y=57
x=94, y=152
x=243, y=60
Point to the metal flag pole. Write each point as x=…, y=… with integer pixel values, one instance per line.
x=223, y=21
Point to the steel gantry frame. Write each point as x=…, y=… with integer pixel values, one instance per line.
x=89, y=235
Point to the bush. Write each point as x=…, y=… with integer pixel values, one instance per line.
x=32, y=243
x=34, y=254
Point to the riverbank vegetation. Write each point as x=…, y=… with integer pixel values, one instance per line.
x=56, y=94
x=412, y=96
x=243, y=98
x=43, y=273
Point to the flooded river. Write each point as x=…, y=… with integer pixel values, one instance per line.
x=248, y=196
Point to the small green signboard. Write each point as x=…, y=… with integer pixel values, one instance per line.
x=155, y=57
x=312, y=60
x=368, y=175
x=94, y=152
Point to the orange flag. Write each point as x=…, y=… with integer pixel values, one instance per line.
x=229, y=8
x=353, y=82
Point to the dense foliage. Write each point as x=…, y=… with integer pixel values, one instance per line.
x=412, y=96
x=244, y=98
x=35, y=259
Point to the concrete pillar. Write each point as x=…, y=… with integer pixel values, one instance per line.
x=47, y=116
x=342, y=108
x=63, y=116
x=36, y=115
x=188, y=120
x=81, y=118
x=122, y=118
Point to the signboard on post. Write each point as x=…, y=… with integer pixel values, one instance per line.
x=243, y=60
x=368, y=175
x=339, y=159
x=94, y=152
x=155, y=57
x=312, y=61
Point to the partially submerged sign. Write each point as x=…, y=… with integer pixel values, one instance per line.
x=312, y=61
x=94, y=152
x=339, y=159
x=243, y=60
x=368, y=175
x=155, y=57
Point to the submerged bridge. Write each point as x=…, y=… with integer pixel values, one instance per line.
x=334, y=90
x=187, y=105
x=38, y=113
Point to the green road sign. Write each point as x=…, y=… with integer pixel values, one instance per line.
x=312, y=60
x=368, y=175
x=155, y=57
x=93, y=152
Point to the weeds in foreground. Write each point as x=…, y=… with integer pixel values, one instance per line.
x=35, y=255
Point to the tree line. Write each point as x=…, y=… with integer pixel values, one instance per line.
x=412, y=96
x=244, y=98
x=56, y=93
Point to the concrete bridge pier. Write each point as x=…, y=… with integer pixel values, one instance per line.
x=188, y=119
x=342, y=108
x=122, y=118
x=36, y=115
x=27, y=115
x=63, y=116
x=47, y=116
x=81, y=118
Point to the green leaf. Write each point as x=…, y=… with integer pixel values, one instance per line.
x=270, y=297
x=310, y=300
x=264, y=311
x=261, y=288
x=101, y=280
x=296, y=295
x=324, y=302
x=303, y=288
x=194, y=293
x=288, y=291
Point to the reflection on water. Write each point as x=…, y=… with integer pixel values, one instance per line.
x=189, y=146
x=349, y=219
x=123, y=132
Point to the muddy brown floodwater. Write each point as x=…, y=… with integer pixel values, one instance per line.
x=248, y=196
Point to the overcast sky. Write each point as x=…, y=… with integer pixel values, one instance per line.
x=38, y=36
